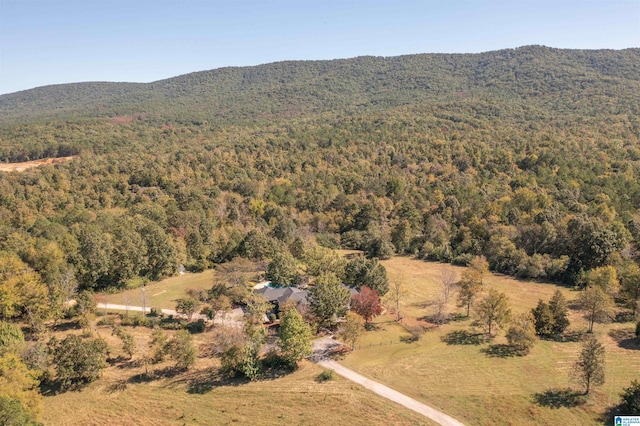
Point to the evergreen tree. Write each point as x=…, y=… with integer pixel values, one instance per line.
x=560, y=311
x=543, y=319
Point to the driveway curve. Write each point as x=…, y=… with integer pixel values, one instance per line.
x=322, y=347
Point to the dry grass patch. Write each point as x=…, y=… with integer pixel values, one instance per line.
x=122, y=396
x=483, y=388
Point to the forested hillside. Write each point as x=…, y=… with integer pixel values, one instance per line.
x=588, y=82
x=530, y=157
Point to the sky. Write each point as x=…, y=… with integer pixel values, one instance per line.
x=46, y=42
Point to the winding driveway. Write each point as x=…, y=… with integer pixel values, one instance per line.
x=322, y=347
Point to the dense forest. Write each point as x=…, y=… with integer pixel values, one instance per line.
x=529, y=156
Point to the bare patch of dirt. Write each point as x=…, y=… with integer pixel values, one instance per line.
x=21, y=167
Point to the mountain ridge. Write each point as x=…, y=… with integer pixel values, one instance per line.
x=311, y=87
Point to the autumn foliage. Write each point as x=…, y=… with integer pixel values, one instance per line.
x=366, y=303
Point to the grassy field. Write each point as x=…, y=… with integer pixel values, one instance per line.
x=200, y=397
x=162, y=294
x=479, y=385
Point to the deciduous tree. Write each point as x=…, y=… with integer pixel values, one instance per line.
x=448, y=283
x=187, y=306
x=295, y=337
x=321, y=260
x=366, y=303
x=257, y=307
x=470, y=286
x=79, y=361
x=397, y=292
x=182, y=350
x=522, y=333
x=361, y=271
x=604, y=277
x=589, y=368
x=283, y=270
x=19, y=383
x=329, y=299
x=493, y=311
x=630, y=286
x=596, y=304
x=351, y=329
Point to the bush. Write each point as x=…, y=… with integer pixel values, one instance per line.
x=463, y=259
x=273, y=317
x=135, y=321
x=630, y=403
x=172, y=323
x=325, y=376
x=273, y=360
x=196, y=326
x=155, y=312
x=109, y=320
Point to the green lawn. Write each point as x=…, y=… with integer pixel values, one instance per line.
x=162, y=294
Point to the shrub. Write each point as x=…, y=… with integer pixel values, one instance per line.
x=196, y=326
x=109, y=320
x=325, y=376
x=630, y=403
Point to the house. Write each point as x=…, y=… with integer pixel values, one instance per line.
x=282, y=295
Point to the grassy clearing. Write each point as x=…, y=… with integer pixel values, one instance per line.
x=162, y=294
x=200, y=397
x=480, y=389
x=422, y=280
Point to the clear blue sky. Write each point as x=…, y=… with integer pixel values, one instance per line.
x=60, y=41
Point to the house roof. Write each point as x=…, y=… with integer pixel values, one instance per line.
x=283, y=294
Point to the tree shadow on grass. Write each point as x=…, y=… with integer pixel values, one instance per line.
x=463, y=337
x=68, y=325
x=118, y=386
x=163, y=373
x=421, y=304
x=558, y=398
x=568, y=336
x=626, y=339
x=204, y=381
x=502, y=351
x=50, y=387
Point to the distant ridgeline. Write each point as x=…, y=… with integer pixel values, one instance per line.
x=529, y=156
